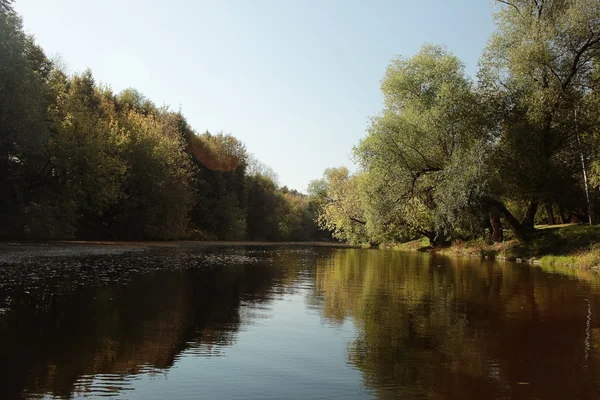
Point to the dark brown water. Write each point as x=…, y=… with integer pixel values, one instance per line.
x=291, y=323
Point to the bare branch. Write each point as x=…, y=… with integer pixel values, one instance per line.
x=575, y=66
x=511, y=5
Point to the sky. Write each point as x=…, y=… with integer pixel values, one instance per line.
x=295, y=81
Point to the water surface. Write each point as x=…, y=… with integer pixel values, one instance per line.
x=290, y=323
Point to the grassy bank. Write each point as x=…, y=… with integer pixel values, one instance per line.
x=551, y=246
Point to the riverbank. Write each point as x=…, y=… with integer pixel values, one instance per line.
x=572, y=246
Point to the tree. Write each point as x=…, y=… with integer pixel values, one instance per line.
x=430, y=116
x=157, y=194
x=262, y=212
x=86, y=167
x=256, y=167
x=591, y=135
x=341, y=206
x=5, y=6
x=537, y=68
x=220, y=183
x=296, y=219
x=23, y=134
x=78, y=161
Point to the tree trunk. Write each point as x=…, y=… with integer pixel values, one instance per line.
x=564, y=219
x=488, y=227
x=584, y=170
x=550, y=212
x=580, y=215
x=432, y=236
x=529, y=220
x=518, y=229
x=496, y=226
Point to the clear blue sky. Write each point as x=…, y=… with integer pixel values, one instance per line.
x=296, y=81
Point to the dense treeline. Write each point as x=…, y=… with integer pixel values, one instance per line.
x=449, y=157
x=77, y=160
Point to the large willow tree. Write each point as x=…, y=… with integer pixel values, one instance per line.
x=430, y=119
x=448, y=158
x=537, y=71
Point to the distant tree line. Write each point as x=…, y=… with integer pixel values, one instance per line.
x=79, y=161
x=449, y=157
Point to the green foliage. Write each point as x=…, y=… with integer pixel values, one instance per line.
x=85, y=164
x=220, y=180
x=78, y=161
x=446, y=158
x=23, y=133
x=153, y=205
x=430, y=117
x=263, y=200
x=562, y=246
x=538, y=70
x=277, y=214
x=341, y=208
x=297, y=220
x=5, y=6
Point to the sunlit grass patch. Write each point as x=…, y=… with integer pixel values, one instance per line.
x=561, y=246
x=586, y=259
x=414, y=245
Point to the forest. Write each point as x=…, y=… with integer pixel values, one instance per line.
x=448, y=157
x=79, y=161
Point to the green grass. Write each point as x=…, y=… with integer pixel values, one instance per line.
x=414, y=245
x=561, y=246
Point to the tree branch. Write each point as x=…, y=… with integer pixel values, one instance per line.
x=358, y=221
x=575, y=66
x=511, y=5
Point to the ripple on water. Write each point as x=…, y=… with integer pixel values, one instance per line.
x=236, y=323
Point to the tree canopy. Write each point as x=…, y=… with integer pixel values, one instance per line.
x=79, y=161
x=449, y=157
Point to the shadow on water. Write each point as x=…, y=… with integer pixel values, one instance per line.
x=424, y=326
x=64, y=318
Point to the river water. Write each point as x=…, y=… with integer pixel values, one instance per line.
x=266, y=322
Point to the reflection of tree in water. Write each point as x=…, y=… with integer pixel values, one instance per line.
x=463, y=329
x=460, y=330
x=55, y=333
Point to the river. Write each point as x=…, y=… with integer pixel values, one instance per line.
x=276, y=322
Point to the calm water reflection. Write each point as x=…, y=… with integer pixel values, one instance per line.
x=267, y=322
